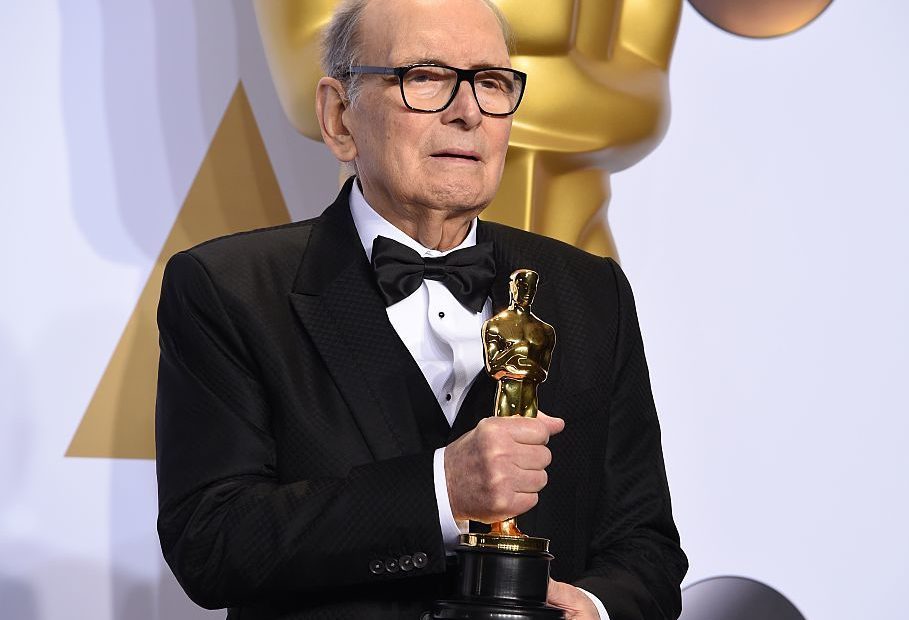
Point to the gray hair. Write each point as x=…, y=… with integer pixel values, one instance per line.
x=342, y=46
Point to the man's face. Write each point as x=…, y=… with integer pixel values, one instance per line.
x=450, y=160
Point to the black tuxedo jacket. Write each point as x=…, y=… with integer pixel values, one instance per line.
x=295, y=432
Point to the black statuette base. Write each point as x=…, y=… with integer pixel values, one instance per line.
x=499, y=585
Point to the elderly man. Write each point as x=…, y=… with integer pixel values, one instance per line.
x=322, y=415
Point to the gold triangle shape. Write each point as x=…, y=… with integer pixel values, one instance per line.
x=234, y=189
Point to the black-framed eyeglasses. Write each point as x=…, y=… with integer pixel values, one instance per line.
x=429, y=87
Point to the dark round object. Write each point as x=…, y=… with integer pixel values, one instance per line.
x=499, y=585
x=760, y=19
x=507, y=575
x=735, y=598
x=492, y=610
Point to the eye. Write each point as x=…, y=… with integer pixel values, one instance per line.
x=425, y=75
x=498, y=81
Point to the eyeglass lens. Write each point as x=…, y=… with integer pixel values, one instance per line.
x=430, y=88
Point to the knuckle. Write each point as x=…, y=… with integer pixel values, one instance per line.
x=528, y=501
x=487, y=446
x=487, y=427
x=497, y=423
x=500, y=504
x=500, y=481
x=494, y=457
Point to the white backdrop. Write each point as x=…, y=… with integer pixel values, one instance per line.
x=763, y=240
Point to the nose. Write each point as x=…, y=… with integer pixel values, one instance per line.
x=464, y=109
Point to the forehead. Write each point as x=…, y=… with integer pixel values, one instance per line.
x=463, y=33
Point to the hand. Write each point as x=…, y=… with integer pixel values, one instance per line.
x=575, y=604
x=495, y=471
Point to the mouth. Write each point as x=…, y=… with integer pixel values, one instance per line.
x=458, y=154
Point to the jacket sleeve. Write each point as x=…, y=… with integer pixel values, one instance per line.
x=230, y=531
x=636, y=565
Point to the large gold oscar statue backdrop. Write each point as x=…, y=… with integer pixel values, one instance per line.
x=234, y=189
x=597, y=100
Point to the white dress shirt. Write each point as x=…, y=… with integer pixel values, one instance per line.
x=444, y=339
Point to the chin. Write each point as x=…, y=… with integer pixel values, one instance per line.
x=462, y=195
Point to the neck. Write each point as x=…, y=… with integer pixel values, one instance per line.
x=432, y=227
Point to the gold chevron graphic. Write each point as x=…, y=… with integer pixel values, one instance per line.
x=235, y=189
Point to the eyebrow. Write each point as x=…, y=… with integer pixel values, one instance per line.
x=432, y=60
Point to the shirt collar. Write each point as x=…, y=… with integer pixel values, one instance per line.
x=370, y=225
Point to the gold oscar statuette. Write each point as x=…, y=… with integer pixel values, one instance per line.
x=506, y=572
x=518, y=349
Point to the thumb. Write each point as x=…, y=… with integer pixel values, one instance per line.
x=553, y=425
x=559, y=594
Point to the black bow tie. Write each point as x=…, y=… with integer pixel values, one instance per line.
x=467, y=273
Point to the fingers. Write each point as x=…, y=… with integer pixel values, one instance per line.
x=523, y=502
x=555, y=425
x=575, y=604
x=558, y=593
x=496, y=470
x=532, y=431
x=529, y=480
x=532, y=457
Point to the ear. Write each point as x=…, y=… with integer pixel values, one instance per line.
x=331, y=103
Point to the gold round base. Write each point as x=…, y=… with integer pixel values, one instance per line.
x=505, y=543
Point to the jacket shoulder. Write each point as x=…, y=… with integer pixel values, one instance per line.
x=262, y=253
x=549, y=252
x=272, y=239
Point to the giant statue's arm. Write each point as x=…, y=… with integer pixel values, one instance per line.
x=635, y=564
x=234, y=533
x=292, y=33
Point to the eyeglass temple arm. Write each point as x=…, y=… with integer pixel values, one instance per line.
x=371, y=70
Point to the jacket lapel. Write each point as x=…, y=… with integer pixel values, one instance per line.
x=336, y=298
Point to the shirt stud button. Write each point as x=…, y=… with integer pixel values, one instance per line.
x=448, y=397
x=441, y=315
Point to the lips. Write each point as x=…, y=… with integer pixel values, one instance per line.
x=458, y=154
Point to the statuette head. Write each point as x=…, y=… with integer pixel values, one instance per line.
x=523, y=286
